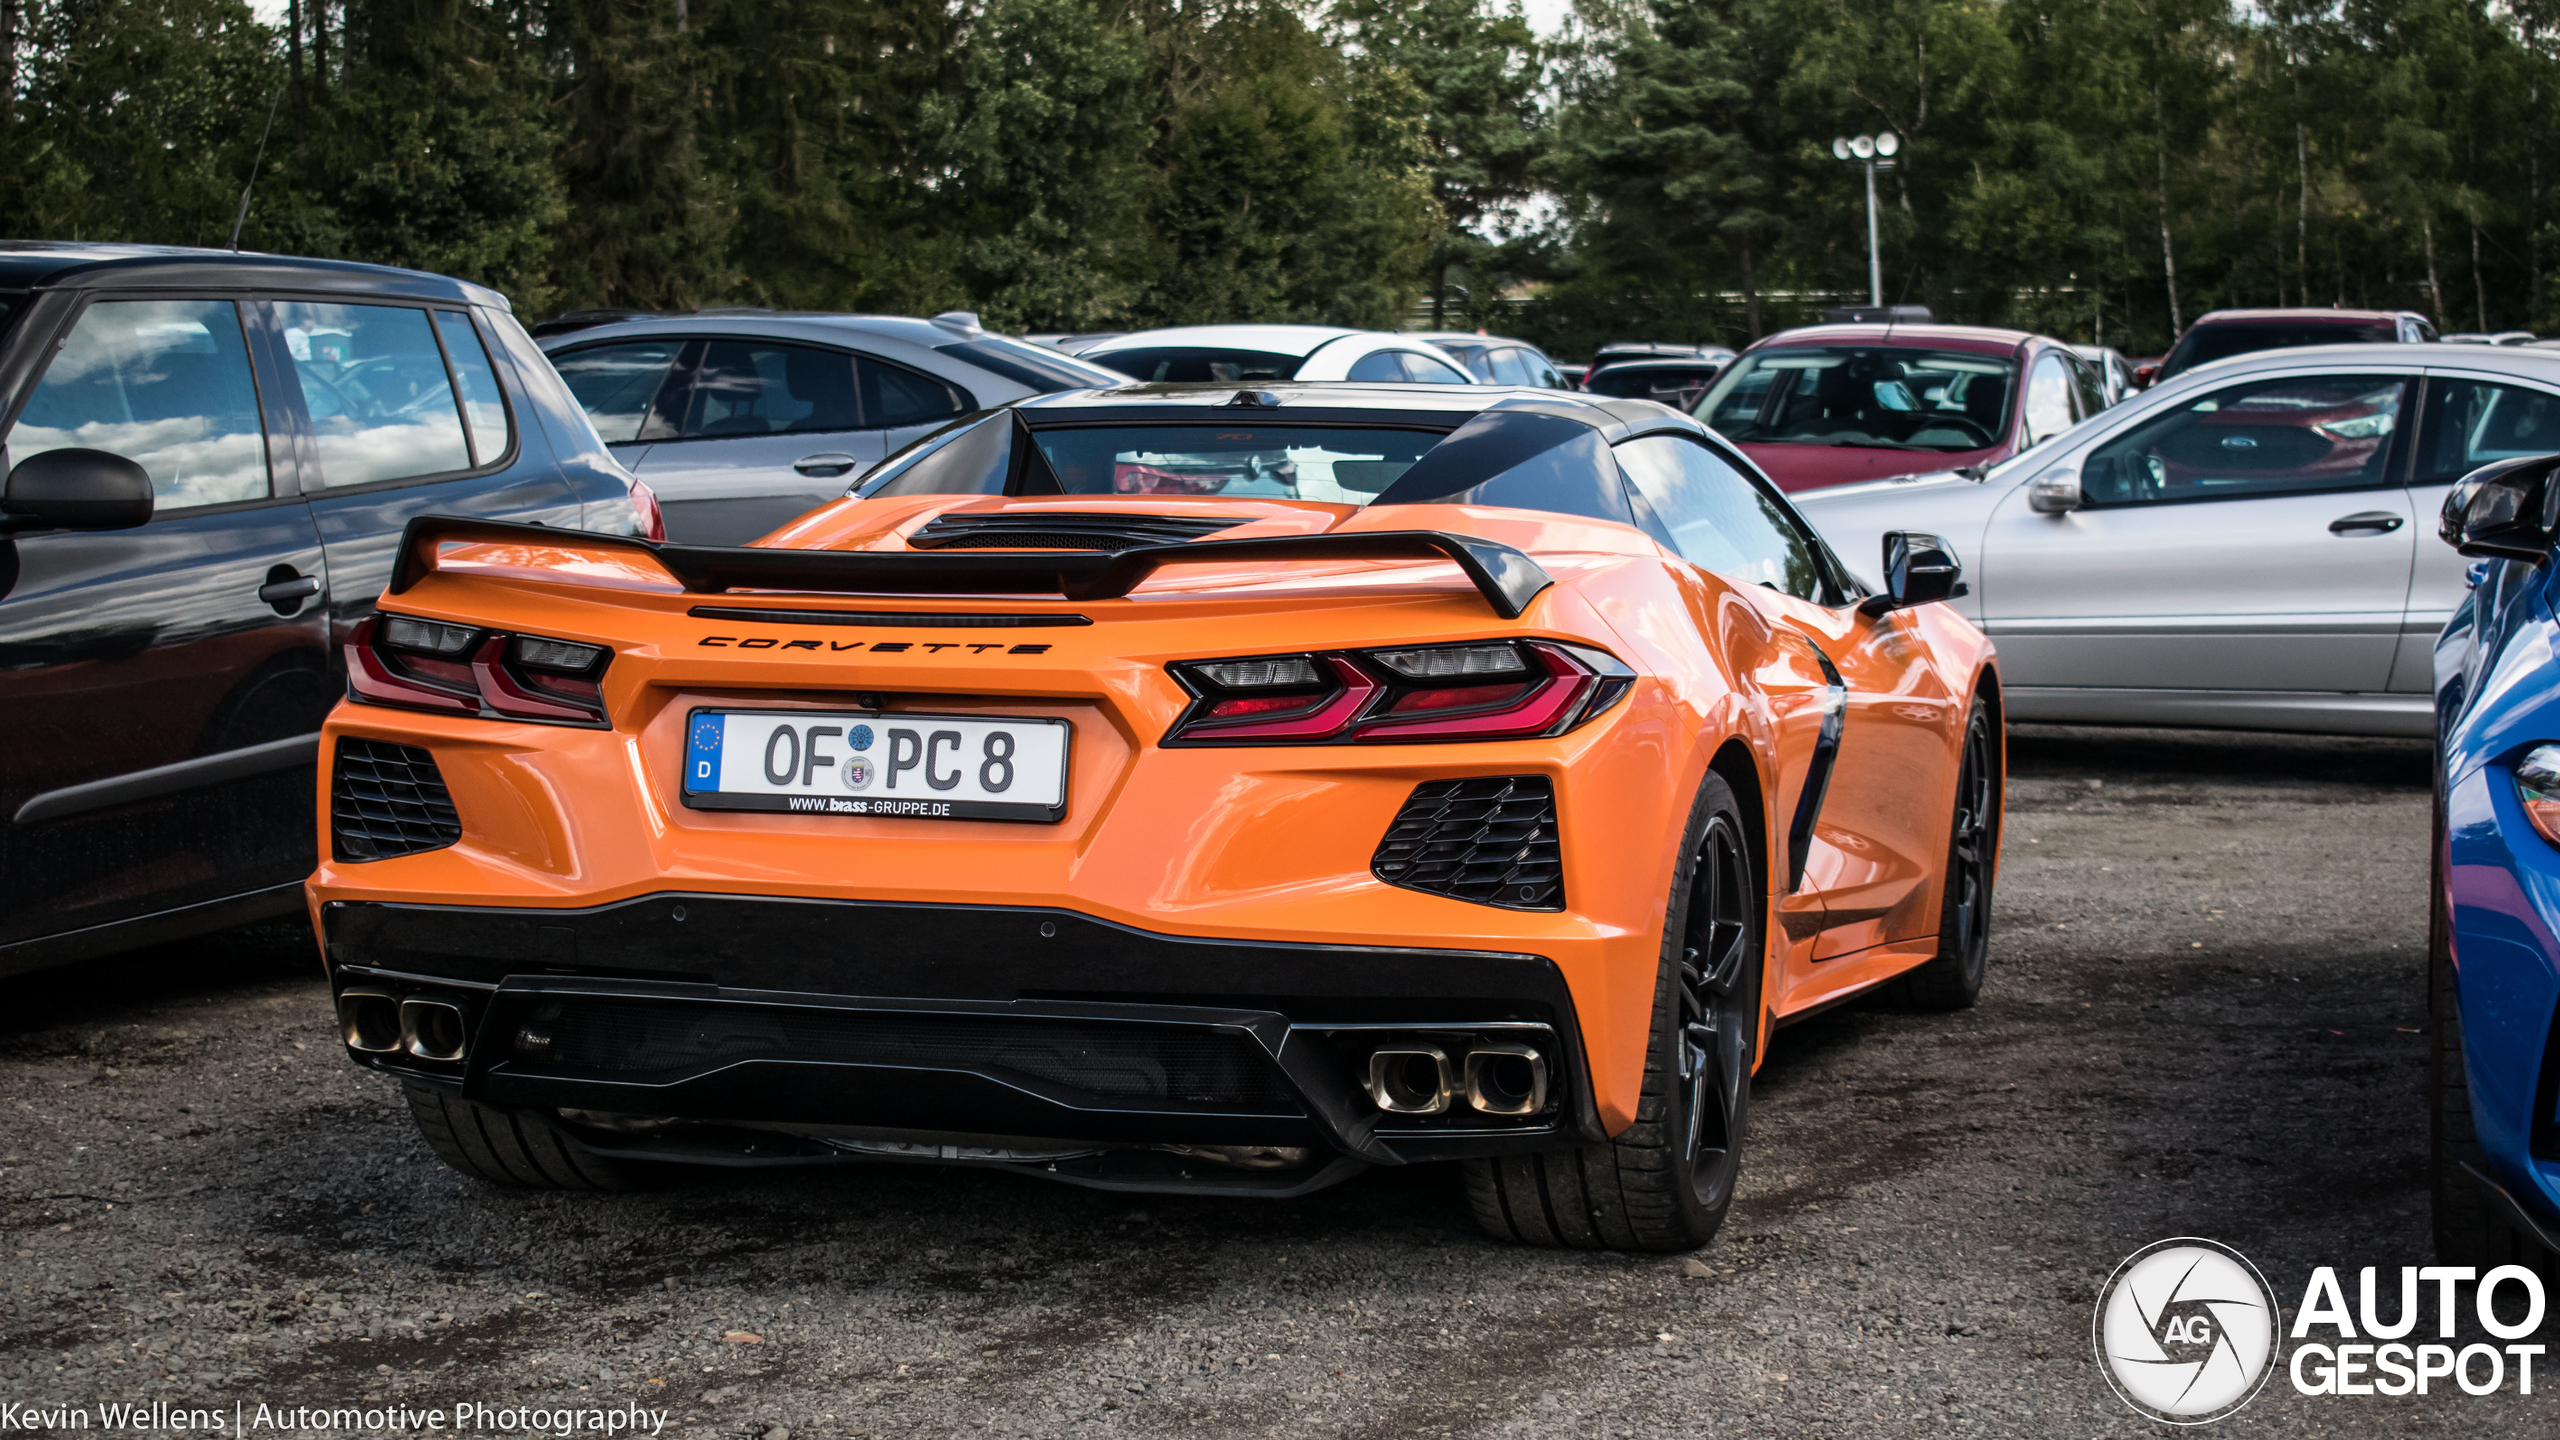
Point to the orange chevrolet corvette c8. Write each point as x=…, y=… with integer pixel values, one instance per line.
x=1172, y=788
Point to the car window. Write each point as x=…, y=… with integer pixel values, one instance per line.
x=616, y=383
x=1871, y=397
x=2088, y=391
x=752, y=387
x=893, y=395
x=1378, y=367
x=1423, y=370
x=1718, y=519
x=2204, y=344
x=2266, y=437
x=1542, y=372
x=164, y=383
x=484, y=409
x=2048, y=407
x=1043, y=370
x=1510, y=369
x=1345, y=466
x=1478, y=359
x=2470, y=423
x=374, y=384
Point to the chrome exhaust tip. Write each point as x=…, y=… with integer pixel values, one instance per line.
x=370, y=1021
x=1411, y=1079
x=433, y=1029
x=1506, y=1079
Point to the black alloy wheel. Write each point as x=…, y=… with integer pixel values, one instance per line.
x=1952, y=979
x=1719, y=1019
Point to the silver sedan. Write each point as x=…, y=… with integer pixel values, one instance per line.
x=2251, y=544
x=741, y=421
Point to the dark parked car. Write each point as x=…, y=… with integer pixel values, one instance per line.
x=2221, y=334
x=210, y=458
x=1676, y=383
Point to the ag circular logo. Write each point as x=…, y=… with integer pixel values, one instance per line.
x=2186, y=1330
x=857, y=772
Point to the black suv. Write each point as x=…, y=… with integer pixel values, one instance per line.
x=209, y=460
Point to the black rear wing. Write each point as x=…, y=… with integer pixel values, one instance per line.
x=1507, y=578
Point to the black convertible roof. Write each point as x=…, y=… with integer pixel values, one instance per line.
x=62, y=264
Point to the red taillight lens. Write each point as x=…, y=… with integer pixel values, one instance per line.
x=431, y=665
x=653, y=520
x=1481, y=691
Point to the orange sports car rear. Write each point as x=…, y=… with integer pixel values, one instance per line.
x=1169, y=788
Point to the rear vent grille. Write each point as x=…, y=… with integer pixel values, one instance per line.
x=1490, y=840
x=616, y=1038
x=1067, y=530
x=388, y=800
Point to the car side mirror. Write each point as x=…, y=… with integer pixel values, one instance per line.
x=2143, y=375
x=1918, y=569
x=76, y=489
x=2055, y=492
x=2504, y=511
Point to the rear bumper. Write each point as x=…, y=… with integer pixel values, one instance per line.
x=775, y=1030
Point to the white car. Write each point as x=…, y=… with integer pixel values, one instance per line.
x=2251, y=544
x=1244, y=354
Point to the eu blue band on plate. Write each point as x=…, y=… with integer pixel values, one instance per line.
x=702, y=753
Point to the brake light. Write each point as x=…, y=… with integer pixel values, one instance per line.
x=1483, y=691
x=653, y=520
x=460, y=670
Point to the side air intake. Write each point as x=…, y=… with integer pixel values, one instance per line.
x=1490, y=840
x=387, y=800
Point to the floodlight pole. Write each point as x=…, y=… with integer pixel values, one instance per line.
x=1875, y=252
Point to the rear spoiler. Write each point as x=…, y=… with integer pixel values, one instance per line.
x=1508, y=579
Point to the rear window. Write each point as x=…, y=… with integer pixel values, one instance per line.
x=1346, y=466
x=1869, y=397
x=1046, y=371
x=2208, y=343
x=1199, y=363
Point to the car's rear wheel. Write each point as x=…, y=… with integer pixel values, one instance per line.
x=1952, y=979
x=505, y=1148
x=1666, y=1181
x=2468, y=1228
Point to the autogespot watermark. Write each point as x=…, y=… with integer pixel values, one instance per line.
x=2187, y=1331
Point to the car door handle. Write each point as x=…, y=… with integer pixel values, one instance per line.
x=2378, y=522
x=824, y=467
x=284, y=592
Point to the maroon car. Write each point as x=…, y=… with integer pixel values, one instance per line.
x=2221, y=334
x=1838, y=404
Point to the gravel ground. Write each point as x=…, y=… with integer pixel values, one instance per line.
x=2202, y=1019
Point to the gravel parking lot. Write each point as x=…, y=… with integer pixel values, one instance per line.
x=2202, y=1019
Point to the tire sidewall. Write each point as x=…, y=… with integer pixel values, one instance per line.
x=1701, y=1217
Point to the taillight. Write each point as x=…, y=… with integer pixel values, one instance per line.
x=653, y=520
x=2538, y=789
x=460, y=670
x=1489, y=690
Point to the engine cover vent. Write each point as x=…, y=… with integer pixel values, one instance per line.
x=387, y=800
x=1063, y=530
x=1490, y=840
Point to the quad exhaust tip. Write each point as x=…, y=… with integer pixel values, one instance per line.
x=370, y=1021
x=1493, y=1077
x=433, y=1029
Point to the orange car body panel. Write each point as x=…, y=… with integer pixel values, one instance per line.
x=1254, y=843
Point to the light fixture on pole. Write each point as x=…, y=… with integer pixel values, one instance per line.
x=1875, y=152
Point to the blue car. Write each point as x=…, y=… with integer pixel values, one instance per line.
x=2494, y=940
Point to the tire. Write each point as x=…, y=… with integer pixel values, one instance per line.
x=1667, y=1180
x=1952, y=979
x=522, y=1152
x=2469, y=1230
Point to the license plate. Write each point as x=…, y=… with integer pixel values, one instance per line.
x=917, y=767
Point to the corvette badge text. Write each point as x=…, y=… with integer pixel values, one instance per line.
x=2188, y=1331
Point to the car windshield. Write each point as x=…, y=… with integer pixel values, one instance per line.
x=1200, y=363
x=2208, y=343
x=1347, y=466
x=1873, y=397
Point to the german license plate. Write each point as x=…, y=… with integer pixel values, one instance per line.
x=916, y=767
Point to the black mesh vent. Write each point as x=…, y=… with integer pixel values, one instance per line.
x=388, y=800
x=1035, y=530
x=1489, y=840
x=636, y=1039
